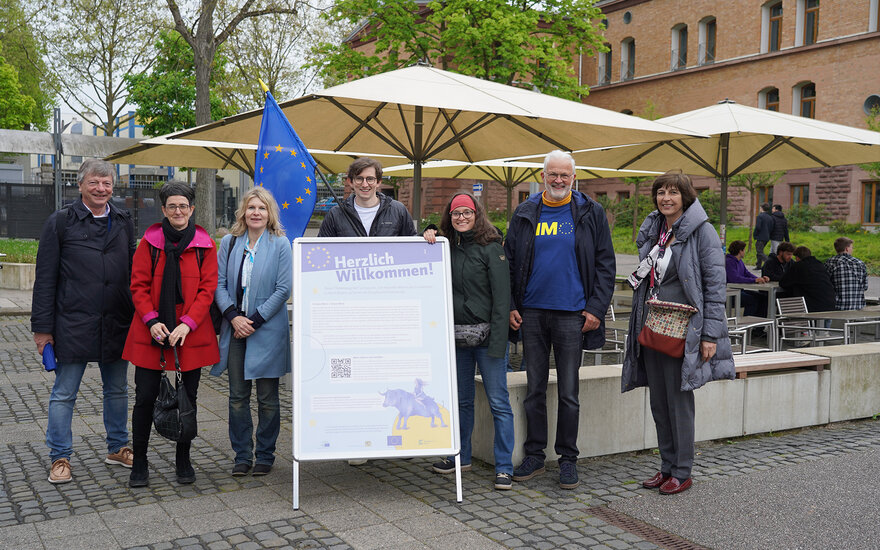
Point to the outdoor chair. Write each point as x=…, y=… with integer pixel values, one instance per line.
x=741, y=333
x=801, y=332
x=615, y=338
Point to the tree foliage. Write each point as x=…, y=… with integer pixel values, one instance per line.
x=205, y=25
x=531, y=44
x=16, y=108
x=752, y=183
x=92, y=45
x=24, y=54
x=166, y=96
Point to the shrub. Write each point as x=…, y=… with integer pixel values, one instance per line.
x=711, y=201
x=802, y=217
x=844, y=228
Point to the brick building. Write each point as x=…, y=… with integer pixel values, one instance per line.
x=804, y=57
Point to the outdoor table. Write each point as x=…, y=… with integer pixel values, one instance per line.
x=622, y=297
x=748, y=323
x=770, y=288
x=737, y=302
x=852, y=318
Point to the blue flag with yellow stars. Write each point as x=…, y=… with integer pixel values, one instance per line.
x=285, y=167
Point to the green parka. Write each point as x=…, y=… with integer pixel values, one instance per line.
x=481, y=287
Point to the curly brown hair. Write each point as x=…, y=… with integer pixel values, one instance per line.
x=484, y=231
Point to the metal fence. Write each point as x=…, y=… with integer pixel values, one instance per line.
x=24, y=208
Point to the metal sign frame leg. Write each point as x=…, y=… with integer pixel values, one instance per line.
x=295, y=484
x=458, y=497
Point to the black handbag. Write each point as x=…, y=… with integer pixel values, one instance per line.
x=471, y=336
x=173, y=414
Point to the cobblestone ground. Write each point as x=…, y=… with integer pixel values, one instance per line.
x=381, y=504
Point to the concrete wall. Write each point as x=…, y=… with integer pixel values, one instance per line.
x=18, y=276
x=611, y=422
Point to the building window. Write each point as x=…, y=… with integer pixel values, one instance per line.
x=765, y=194
x=708, y=28
x=805, y=100
x=771, y=27
x=605, y=66
x=622, y=195
x=627, y=59
x=769, y=99
x=679, y=46
x=523, y=196
x=871, y=202
x=811, y=22
x=800, y=194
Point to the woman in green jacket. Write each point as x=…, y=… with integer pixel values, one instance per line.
x=481, y=302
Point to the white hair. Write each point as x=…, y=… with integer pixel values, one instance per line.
x=556, y=154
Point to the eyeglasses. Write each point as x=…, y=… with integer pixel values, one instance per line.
x=369, y=179
x=176, y=207
x=553, y=176
x=466, y=214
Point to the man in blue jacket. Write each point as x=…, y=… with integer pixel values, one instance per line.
x=82, y=306
x=562, y=270
x=763, y=227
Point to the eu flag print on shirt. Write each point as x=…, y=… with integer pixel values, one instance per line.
x=555, y=282
x=285, y=167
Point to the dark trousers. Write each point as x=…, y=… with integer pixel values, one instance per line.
x=754, y=303
x=146, y=390
x=541, y=329
x=759, y=252
x=673, y=412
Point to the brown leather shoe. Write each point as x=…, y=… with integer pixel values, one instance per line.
x=656, y=481
x=673, y=486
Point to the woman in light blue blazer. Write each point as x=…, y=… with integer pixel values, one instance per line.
x=252, y=291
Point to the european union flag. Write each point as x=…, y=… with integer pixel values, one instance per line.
x=285, y=167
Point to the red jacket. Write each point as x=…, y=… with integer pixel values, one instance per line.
x=198, y=286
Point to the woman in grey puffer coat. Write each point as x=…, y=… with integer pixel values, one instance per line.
x=689, y=268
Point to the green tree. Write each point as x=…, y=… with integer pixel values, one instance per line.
x=752, y=183
x=636, y=182
x=16, y=108
x=25, y=54
x=92, y=45
x=203, y=38
x=166, y=96
x=873, y=122
x=531, y=44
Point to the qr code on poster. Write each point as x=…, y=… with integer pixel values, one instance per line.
x=340, y=367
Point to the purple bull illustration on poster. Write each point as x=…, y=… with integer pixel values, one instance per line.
x=415, y=403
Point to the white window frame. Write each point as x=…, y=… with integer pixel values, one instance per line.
x=873, y=15
x=625, y=46
x=605, y=60
x=765, y=25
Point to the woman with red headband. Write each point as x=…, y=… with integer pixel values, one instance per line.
x=481, y=300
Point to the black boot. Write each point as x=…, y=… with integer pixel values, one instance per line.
x=185, y=472
x=140, y=472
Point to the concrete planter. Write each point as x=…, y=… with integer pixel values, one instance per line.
x=18, y=276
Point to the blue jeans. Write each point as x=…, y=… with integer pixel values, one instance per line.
x=494, y=373
x=541, y=329
x=241, y=425
x=59, y=436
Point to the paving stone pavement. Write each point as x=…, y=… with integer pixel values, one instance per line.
x=393, y=504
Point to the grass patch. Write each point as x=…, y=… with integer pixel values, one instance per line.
x=19, y=251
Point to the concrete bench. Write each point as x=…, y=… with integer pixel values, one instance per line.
x=773, y=391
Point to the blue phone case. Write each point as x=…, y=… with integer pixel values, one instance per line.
x=49, y=357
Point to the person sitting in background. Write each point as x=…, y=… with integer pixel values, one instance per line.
x=777, y=264
x=807, y=277
x=848, y=275
x=754, y=303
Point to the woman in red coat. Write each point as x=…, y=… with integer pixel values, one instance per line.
x=172, y=285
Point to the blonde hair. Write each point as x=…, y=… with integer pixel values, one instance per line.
x=265, y=196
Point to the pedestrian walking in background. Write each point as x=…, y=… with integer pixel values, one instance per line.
x=253, y=287
x=172, y=284
x=82, y=308
x=779, y=233
x=480, y=300
x=681, y=261
x=763, y=227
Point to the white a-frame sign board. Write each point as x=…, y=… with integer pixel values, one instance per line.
x=373, y=351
